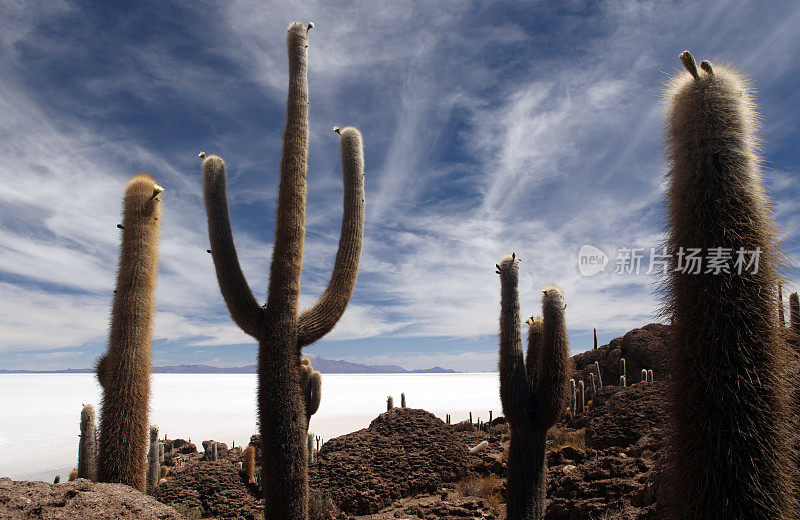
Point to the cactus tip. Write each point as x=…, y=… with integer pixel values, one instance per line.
x=337, y=130
x=202, y=155
x=156, y=190
x=688, y=61
x=706, y=66
x=310, y=26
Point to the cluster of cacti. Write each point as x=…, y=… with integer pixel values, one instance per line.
x=730, y=441
x=533, y=388
x=447, y=419
x=124, y=370
x=311, y=387
x=279, y=328
x=87, y=446
x=153, y=460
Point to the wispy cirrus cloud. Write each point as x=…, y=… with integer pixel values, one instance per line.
x=488, y=128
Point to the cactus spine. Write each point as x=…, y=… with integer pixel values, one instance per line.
x=533, y=389
x=279, y=329
x=124, y=370
x=730, y=437
x=153, y=463
x=794, y=312
x=87, y=447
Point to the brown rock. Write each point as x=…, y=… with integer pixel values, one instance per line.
x=81, y=499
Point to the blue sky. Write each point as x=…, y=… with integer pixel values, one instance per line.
x=489, y=127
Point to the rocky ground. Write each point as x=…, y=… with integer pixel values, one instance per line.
x=604, y=463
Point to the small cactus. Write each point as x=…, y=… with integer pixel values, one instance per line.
x=595, y=338
x=593, y=387
x=622, y=369
x=644, y=376
x=57, y=480
x=249, y=463
x=599, y=377
x=389, y=403
x=573, y=396
x=794, y=312
x=73, y=475
x=580, y=404
x=153, y=462
x=622, y=381
x=87, y=447
x=481, y=446
x=402, y=400
x=650, y=376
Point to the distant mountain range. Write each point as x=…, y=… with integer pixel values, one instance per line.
x=326, y=366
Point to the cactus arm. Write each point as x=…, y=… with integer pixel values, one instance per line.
x=287, y=251
x=515, y=393
x=241, y=303
x=554, y=360
x=313, y=394
x=534, y=346
x=318, y=320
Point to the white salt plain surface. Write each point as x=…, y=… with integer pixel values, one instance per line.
x=40, y=413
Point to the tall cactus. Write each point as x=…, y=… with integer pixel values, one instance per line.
x=87, y=446
x=794, y=312
x=730, y=440
x=124, y=370
x=781, y=317
x=280, y=330
x=533, y=389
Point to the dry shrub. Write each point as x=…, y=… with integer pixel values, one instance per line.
x=320, y=506
x=487, y=488
x=464, y=426
x=558, y=438
x=499, y=430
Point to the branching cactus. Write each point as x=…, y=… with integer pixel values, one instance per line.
x=278, y=326
x=533, y=389
x=730, y=439
x=153, y=462
x=311, y=387
x=87, y=447
x=794, y=312
x=124, y=370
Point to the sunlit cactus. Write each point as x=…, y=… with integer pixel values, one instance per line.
x=730, y=454
x=87, y=447
x=124, y=370
x=281, y=330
